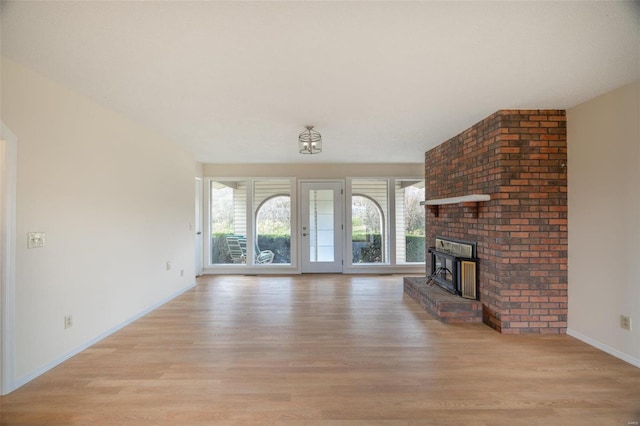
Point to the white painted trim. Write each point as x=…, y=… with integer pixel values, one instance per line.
x=277, y=269
x=391, y=224
x=198, y=238
x=8, y=250
x=26, y=379
x=474, y=198
x=605, y=348
x=372, y=268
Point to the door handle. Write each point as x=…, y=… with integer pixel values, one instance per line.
x=304, y=234
x=198, y=233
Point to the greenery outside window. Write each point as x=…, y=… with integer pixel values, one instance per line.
x=228, y=201
x=272, y=201
x=369, y=204
x=410, y=221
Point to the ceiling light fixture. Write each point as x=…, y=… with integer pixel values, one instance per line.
x=310, y=141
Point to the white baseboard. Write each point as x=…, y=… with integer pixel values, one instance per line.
x=605, y=348
x=26, y=379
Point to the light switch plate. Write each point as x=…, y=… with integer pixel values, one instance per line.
x=35, y=239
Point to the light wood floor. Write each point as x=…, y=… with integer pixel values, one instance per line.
x=324, y=350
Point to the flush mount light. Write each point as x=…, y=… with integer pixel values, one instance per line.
x=310, y=141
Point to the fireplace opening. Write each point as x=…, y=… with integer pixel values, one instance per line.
x=453, y=267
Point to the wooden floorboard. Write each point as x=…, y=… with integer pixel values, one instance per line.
x=324, y=350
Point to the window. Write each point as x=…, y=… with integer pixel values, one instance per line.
x=387, y=228
x=253, y=225
x=321, y=225
x=228, y=201
x=273, y=221
x=250, y=222
x=410, y=225
x=368, y=221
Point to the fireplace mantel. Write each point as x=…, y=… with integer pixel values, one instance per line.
x=469, y=202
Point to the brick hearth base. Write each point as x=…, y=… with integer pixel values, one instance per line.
x=441, y=304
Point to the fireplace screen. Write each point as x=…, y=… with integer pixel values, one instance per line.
x=444, y=267
x=453, y=267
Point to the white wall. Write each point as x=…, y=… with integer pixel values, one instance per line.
x=604, y=221
x=115, y=201
x=316, y=171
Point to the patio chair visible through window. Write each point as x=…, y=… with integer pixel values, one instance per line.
x=238, y=251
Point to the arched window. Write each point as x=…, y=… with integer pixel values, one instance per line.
x=367, y=230
x=273, y=229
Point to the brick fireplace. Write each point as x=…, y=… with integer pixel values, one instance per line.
x=519, y=158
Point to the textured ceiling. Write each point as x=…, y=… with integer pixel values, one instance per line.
x=235, y=82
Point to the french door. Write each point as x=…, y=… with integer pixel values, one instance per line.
x=321, y=226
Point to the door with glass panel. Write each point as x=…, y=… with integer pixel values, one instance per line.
x=321, y=226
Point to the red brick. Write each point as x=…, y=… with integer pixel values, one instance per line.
x=529, y=124
x=515, y=155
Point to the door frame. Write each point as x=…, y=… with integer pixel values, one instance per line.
x=341, y=242
x=198, y=226
x=8, y=189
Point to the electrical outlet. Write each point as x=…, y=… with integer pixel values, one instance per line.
x=68, y=322
x=625, y=322
x=168, y=266
x=182, y=272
